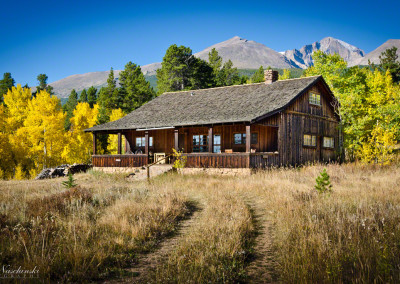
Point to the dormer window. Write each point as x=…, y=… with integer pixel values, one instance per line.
x=315, y=99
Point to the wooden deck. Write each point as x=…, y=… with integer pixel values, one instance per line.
x=195, y=160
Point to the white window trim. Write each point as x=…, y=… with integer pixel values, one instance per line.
x=311, y=139
x=331, y=139
x=311, y=101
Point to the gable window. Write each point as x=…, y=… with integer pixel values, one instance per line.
x=310, y=140
x=239, y=138
x=217, y=143
x=315, y=99
x=200, y=143
x=141, y=141
x=254, y=138
x=329, y=142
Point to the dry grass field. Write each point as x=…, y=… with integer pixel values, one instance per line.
x=271, y=226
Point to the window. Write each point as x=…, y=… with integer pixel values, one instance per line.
x=141, y=141
x=217, y=144
x=315, y=99
x=254, y=138
x=310, y=140
x=239, y=138
x=329, y=142
x=200, y=143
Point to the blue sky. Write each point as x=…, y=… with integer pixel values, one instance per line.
x=62, y=38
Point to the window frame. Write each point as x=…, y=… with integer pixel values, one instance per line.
x=242, y=139
x=313, y=145
x=312, y=100
x=217, y=145
x=331, y=139
x=205, y=146
x=143, y=141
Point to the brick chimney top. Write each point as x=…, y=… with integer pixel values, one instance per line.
x=270, y=76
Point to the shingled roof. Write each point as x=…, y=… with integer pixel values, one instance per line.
x=241, y=103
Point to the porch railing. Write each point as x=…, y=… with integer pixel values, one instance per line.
x=195, y=160
x=137, y=160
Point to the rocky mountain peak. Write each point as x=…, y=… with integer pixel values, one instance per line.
x=303, y=57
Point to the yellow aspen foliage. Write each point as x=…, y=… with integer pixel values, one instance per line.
x=6, y=161
x=19, y=173
x=6, y=158
x=286, y=75
x=16, y=100
x=378, y=149
x=113, y=139
x=79, y=148
x=43, y=131
x=33, y=173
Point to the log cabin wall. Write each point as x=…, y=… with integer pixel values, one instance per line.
x=304, y=118
x=267, y=137
x=163, y=140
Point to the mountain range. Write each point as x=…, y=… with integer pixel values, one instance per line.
x=245, y=54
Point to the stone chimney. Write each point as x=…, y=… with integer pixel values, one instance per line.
x=270, y=76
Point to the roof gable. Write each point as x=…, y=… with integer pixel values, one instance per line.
x=241, y=103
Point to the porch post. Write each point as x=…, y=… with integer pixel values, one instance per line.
x=146, y=143
x=94, y=143
x=210, y=139
x=119, y=143
x=176, y=139
x=248, y=138
x=126, y=145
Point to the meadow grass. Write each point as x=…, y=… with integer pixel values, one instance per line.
x=90, y=232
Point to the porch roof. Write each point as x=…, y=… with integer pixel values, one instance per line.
x=241, y=103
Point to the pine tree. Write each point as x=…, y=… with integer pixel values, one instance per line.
x=69, y=108
x=175, y=71
x=5, y=84
x=83, y=97
x=230, y=75
x=388, y=62
x=202, y=75
x=134, y=90
x=323, y=183
x=112, y=97
x=91, y=96
x=215, y=61
x=70, y=182
x=258, y=76
x=42, y=80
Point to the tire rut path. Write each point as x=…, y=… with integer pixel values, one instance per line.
x=147, y=263
x=262, y=266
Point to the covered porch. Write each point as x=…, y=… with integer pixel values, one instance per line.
x=210, y=146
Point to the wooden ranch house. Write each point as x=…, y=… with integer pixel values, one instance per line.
x=288, y=122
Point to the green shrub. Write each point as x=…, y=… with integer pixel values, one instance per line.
x=323, y=183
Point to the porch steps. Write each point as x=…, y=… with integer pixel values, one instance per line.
x=156, y=170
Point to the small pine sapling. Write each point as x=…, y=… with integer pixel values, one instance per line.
x=323, y=183
x=70, y=182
